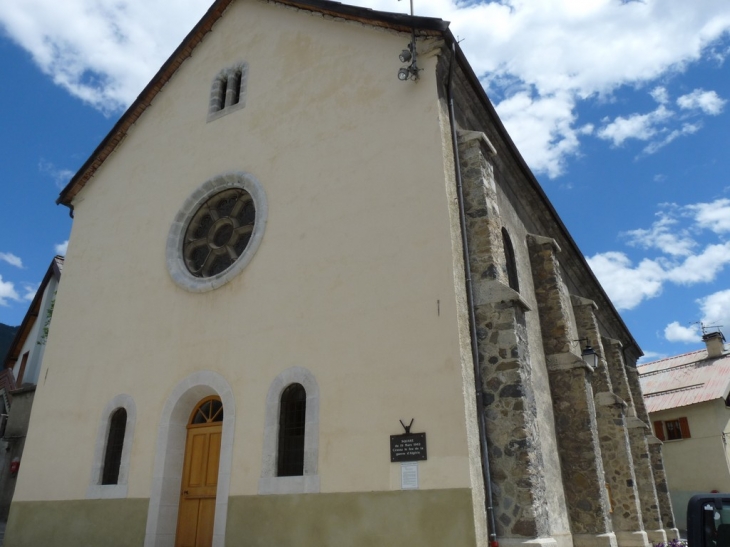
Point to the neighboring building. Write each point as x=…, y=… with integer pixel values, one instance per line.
x=687, y=400
x=7, y=333
x=266, y=275
x=19, y=377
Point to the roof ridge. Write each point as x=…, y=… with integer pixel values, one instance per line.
x=669, y=358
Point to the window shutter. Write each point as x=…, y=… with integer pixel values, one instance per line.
x=659, y=430
x=684, y=428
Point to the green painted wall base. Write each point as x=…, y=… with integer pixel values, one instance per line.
x=423, y=518
x=77, y=523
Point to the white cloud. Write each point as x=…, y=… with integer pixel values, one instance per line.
x=661, y=237
x=707, y=101
x=660, y=95
x=563, y=51
x=716, y=309
x=625, y=284
x=682, y=260
x=628, y=285
x=61, y=248
x=543, y=127
x=713, y=216
x=29, y=291
x=701, y=268
x=686, y=129
x=650, y=356
x=11, y=259
x=653, y=127
x=674, y=332
x=101, y=51
x=60, y=177
x=7, y=292
x=636, y=126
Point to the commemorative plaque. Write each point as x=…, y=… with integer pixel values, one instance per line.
x=408, y=448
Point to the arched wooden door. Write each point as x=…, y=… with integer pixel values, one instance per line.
x=200, y=475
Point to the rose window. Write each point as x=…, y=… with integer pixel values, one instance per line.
x=219, y=232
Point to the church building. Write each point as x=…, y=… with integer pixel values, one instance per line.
x=314, y=296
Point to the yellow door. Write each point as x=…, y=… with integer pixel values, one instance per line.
x=200, y=475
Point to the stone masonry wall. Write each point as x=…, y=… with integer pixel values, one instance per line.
x=617, y=371
x=645, y=480
x=632, y=375
x=574, y=408
x=614, y=438
x=662, y=487
x=510, y=410
x=639, y=434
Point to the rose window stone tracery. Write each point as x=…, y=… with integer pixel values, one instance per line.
x=216, y=232
x=219, y=232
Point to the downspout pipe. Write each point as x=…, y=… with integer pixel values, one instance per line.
x=70, y=208
x=472, y=315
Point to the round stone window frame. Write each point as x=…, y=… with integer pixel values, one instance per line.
x=174, y=250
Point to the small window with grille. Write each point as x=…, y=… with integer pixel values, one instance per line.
x=290, y=457
x=114, y=445
x=674, y=432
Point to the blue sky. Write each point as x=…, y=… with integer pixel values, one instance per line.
x=620, y=107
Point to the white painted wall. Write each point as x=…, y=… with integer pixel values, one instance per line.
x=34, y=343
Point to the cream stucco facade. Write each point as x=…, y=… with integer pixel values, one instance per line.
x=356, y=290
x=687, y=398
x=701, y=463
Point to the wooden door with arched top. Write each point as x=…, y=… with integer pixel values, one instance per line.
x=200, y=475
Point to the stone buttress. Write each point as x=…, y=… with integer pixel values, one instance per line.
x=662, y=487
x=574, y=408
x=656, y=460
x=639, y=430
x=515, y=455
x=613, y=435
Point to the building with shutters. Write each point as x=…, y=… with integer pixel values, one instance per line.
x=688, y=400
x=292, y=242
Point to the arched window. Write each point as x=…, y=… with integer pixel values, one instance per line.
x=228, y=91
x=292, y=412
x=222, y=83
x=113, y=449
x=509, y=254
x=291, y=435
x=209, y=411
x=114, y=445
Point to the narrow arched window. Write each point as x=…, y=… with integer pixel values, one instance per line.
x=292, y=411
x=236, y=88
x=228, y=92
x=222, y=90
x=114, y=445
x=509, y=254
